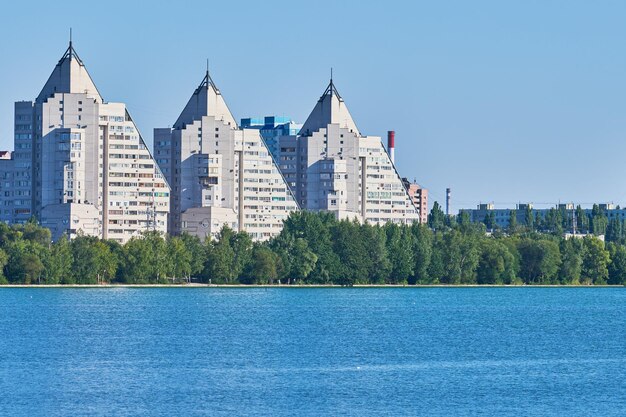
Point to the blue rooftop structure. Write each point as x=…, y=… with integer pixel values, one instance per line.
x=271, y=128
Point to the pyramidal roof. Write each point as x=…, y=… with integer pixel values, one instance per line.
x=205, y=101
x=69, y=76
x=330, y=109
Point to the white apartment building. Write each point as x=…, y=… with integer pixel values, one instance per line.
x=219, y=173
x=81, y=165
x=331, y=166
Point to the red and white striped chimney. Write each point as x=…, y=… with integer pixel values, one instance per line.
x=391, y=145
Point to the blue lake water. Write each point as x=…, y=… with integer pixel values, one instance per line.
x=313, y=352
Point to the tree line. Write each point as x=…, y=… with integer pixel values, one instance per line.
x=315, y=248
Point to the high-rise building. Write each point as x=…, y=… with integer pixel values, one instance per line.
x=419, y=195
x=81, y=165
x=271, y=128
x=331, y=166
x=6, y=186
x=220, y=174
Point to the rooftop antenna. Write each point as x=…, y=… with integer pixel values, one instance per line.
x=207, y=67
x=70, y=49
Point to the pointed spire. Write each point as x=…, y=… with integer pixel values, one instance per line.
x=330, y=109
x=70, y=48
x=205, y=101
x=69, y=76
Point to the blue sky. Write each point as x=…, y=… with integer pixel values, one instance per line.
x=503, y=101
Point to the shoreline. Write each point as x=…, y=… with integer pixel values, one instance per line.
x=200, y=285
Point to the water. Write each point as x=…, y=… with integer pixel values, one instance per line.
x=313, y=352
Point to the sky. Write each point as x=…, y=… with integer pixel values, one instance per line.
x=502, y=101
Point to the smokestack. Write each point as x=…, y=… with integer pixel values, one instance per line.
x=391, y=145
x=448, y=194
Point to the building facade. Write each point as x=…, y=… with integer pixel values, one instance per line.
x=419, y=195
x=6, y=186
x=220, y=174
x=80, y=165
x=331, y=166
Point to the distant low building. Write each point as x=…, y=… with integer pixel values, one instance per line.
x=6, y=186
x=486, y=213
x=419, y=195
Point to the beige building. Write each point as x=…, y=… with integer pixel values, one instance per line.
x=220, y=174
x=84, y=161
x=419, y=195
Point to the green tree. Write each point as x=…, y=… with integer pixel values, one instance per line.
x=376, y=250
x=58, y=265
x=32, y=232
x=595, y=261
x=32, y=267
x=617, y=266
x=422, y=253
x=539, y=261
x=197, y=252
x=219, y=259
x=24, y=264
x=4, y=258
x=296, y=259
x=572, y=261
x=582, y=220
x=137, y=263
x=228, y=256
x=304, y=260
x=490, y=220
x=529, y=219
x=463, y=219
x=512, y=227
x=179, y=259
x=400, y=252
x=315, y=228
x=242, y=245
x=459, y=256
x=436, y=218
x=566, y=218
x=599, y=221
x=115, y=254
x=352, y=252
x=615, y=231
x=553, y=222
x=496, y=264
x=262, y=267
x=93, y=261
x=539, y=223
